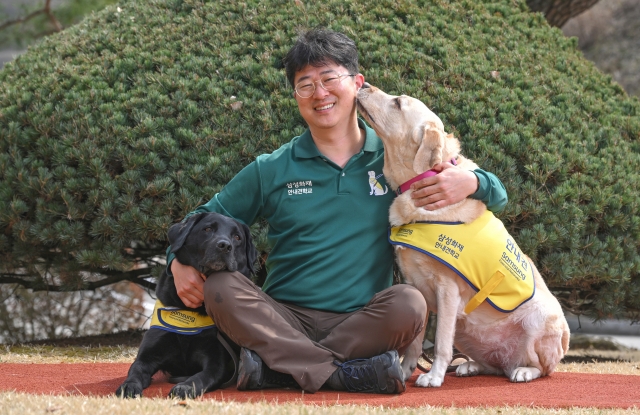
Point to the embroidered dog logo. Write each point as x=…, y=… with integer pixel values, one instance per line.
x=376, y=187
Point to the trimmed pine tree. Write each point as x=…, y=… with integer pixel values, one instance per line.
x=117, y=127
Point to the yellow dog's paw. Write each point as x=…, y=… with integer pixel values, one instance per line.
x=525, y=374
x=468, y=369
x=429, y=380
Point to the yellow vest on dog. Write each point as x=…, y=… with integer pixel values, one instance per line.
x=482, y=253
x=179, y=320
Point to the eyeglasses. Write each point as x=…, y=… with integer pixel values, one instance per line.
x=305, y=89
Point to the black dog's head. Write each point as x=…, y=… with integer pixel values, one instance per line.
x=212, y=242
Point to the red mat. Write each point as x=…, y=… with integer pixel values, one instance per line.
x=560, y=390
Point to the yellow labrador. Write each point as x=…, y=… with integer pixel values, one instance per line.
x=490, y=300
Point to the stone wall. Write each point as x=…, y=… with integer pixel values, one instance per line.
x=609, y=35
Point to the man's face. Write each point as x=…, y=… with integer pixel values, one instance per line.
x=327, y=109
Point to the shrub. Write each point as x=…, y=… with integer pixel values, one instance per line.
x=117, y=127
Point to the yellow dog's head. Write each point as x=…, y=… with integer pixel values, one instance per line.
x=413, y=136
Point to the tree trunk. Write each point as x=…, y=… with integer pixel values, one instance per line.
x=557, y=12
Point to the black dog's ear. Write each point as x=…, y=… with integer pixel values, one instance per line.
x=178, y=233
x=250, y=249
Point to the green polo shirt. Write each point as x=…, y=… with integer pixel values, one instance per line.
x=327, y=224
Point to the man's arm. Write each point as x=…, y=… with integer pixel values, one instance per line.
x=454, y=184
x=240, y=199
x=189, y=283
x=490, y=191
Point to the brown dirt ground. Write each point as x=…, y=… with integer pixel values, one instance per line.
x=564, y=389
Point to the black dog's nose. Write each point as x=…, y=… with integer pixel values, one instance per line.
x=224, y=246
x=366, y=85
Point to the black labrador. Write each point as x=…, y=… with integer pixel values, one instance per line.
x=209, y=242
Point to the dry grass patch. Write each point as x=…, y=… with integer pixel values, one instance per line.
x=72, y=354
x=614, y=362
x=24, y=404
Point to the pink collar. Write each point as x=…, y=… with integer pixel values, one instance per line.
x=407, y=185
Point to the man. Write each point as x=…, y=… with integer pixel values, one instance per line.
x=328, y=313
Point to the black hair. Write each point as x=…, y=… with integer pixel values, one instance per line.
x=320, y=46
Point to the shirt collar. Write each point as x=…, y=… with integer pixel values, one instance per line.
x=304, y=147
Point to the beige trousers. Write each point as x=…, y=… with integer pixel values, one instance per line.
x=305, y=342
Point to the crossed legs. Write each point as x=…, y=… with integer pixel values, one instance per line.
x=304, y=342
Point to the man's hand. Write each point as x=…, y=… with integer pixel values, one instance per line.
x=450, y=186
x=189, y=284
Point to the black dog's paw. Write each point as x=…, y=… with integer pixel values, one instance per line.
x=184, y=391
x=129, y=390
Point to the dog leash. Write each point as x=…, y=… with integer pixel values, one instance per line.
x=450, y=368
x=234, y=357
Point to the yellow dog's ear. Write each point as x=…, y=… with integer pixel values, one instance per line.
x=430, y=152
